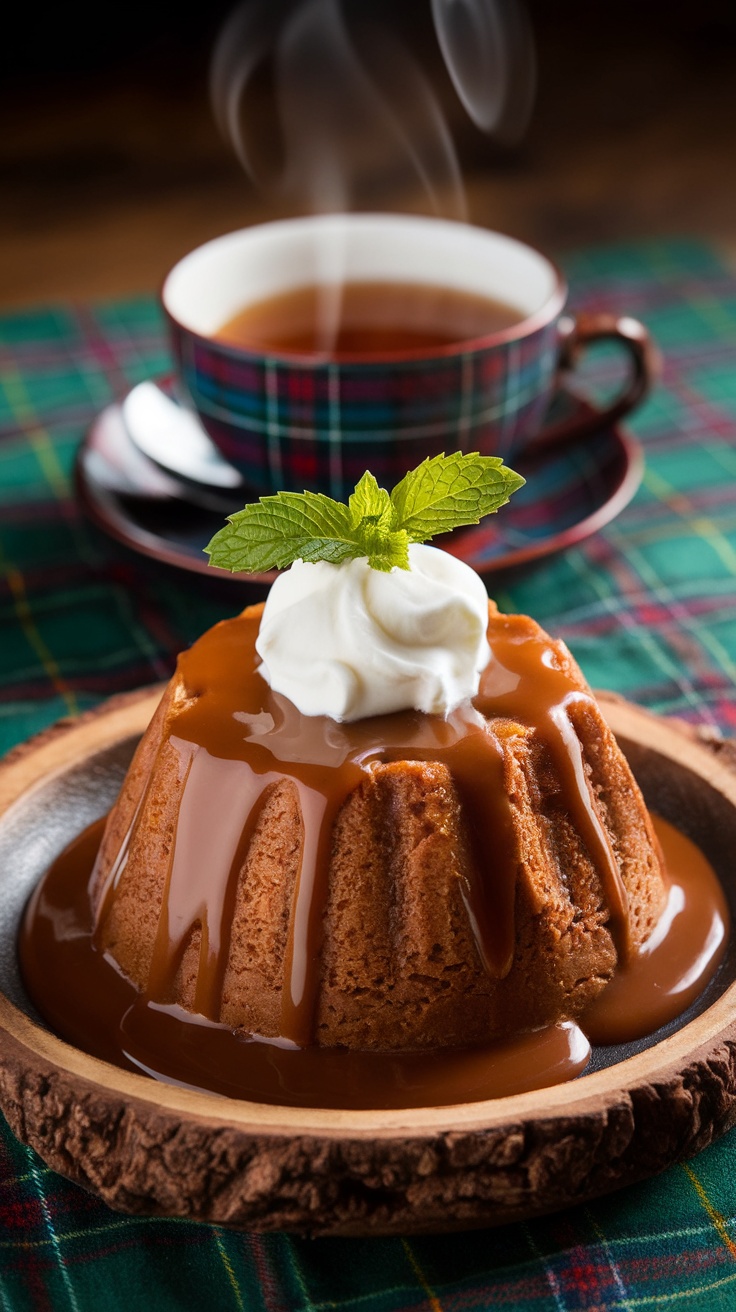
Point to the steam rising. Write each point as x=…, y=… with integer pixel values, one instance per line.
x=345, y=102
x=317, y=107
x=489, y=54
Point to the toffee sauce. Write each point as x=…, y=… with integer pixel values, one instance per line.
x=235, y=738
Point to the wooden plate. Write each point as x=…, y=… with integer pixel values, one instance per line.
x=147, y=1147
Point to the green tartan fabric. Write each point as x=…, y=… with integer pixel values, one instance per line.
x=649, y=609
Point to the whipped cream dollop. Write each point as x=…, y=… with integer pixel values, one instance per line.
x=349, y=641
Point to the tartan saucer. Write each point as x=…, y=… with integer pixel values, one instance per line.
x=572, y=491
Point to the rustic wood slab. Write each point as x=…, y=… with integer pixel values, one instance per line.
x=146, y=1147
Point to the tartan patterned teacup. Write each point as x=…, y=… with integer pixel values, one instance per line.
x=288, y=421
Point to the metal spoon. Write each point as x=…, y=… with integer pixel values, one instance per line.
x=170, y=435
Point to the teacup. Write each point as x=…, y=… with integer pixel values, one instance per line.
x=291, y=420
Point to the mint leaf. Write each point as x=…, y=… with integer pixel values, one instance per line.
x=384, y=548
x=441, y=494
x=369, y=501
x=274, y=532
x=446, y=492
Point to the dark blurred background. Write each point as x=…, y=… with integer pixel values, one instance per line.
x=111, y=165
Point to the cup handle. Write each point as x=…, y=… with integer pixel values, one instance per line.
x=644, y=367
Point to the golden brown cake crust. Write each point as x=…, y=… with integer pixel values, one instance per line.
x=399, y=966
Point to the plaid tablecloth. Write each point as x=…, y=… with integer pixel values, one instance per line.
x=648, y=607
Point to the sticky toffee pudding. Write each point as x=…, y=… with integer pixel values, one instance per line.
x=404, y=910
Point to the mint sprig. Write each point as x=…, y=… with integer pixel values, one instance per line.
x=442, y=493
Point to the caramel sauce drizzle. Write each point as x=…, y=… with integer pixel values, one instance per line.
x=527, y=680
x=91, y=1004
x=236, y=738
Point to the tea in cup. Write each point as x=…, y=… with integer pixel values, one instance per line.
x=314, y=348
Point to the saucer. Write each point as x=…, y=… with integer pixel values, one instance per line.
x=162, y=1149
x=571, y=492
